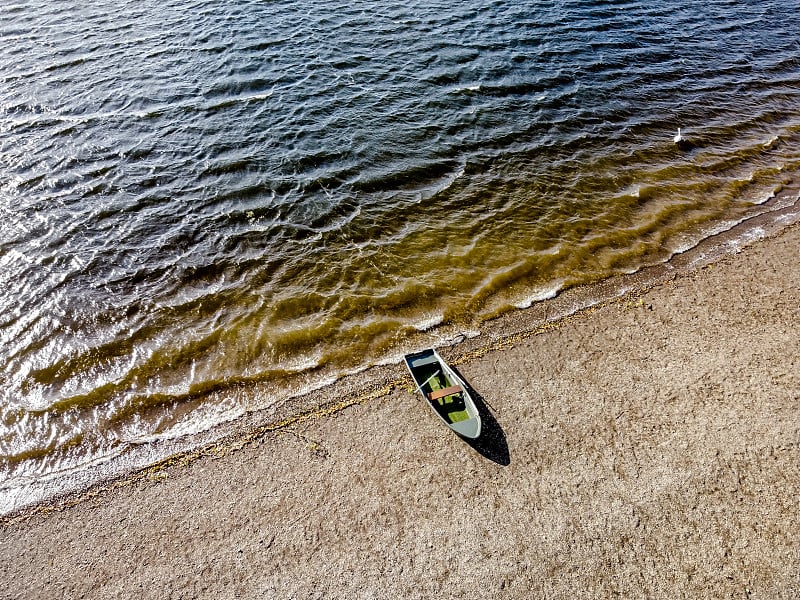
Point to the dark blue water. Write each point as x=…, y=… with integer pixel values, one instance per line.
x=201, y=197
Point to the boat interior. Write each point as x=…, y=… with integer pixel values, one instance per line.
x=445, y=395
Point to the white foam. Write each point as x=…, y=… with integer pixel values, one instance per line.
x=539, y=296
x=390, y=359
x=16, y=485
x=747, y=238
x=302, y=363
x=467, y=88
x=632, y=191
x=263, y=96
x=201, y=419
x=428, y=322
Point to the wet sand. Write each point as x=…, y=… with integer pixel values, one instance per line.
x=649, y=446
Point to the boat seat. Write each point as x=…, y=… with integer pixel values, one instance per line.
x=424, y=360
x=448, y=391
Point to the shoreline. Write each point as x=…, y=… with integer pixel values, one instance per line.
x=647, y=445
x=381, y=380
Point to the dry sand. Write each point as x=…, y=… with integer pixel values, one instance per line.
x=644, y=448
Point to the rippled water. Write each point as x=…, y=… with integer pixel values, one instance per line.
x=196, y=196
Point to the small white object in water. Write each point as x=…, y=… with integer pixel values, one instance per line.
x=682, y=142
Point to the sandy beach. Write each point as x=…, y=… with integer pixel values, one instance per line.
x=646, y=447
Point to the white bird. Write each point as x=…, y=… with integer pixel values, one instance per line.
x=682, y=142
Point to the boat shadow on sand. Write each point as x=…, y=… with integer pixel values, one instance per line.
x=492, y=442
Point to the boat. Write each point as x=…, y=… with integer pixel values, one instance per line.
x=445, y=392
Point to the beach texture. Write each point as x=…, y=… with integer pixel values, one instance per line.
x=647, y=447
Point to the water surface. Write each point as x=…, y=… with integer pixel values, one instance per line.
x=201, y=196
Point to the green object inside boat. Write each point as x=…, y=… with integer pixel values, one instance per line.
x=451, y=407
